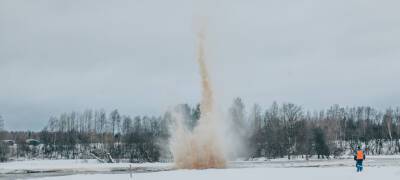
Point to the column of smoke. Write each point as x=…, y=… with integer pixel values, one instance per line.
x=202, y=147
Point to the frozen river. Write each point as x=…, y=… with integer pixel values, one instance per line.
x=76, y=169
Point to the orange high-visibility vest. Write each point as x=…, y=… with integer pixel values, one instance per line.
x=360, y=155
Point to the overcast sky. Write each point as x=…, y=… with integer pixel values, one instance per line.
x=139, y=55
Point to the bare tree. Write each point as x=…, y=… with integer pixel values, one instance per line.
x=1, y=123
x=126, y=125
x=388, y=122
x=291, y=114
x=255, y=118
x=115, y=120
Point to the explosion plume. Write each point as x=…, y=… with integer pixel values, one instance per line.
x=200, y=148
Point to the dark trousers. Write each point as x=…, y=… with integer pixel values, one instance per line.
x=359, y=165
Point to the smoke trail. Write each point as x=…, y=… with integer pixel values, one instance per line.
x=207, y=102
x=200, y=148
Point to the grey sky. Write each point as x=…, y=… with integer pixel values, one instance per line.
x=139, y=55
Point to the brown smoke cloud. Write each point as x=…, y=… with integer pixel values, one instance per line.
x=200, y=148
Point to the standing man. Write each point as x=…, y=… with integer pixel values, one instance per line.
x=359, y=157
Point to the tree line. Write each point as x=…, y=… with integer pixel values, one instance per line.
x=289, y=130
x=280, y=130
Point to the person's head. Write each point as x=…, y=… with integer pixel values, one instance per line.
x=359, y=147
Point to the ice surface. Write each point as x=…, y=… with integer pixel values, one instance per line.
x=51, y=167
x=341, y=173
x=281, y=169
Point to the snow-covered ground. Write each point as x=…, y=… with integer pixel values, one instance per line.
x=340, y=173
x=40, y=168
x=37, y=166
x=386, y=166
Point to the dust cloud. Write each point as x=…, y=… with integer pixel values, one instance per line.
x=202, y=147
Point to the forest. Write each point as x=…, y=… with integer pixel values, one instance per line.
x=280, y=130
